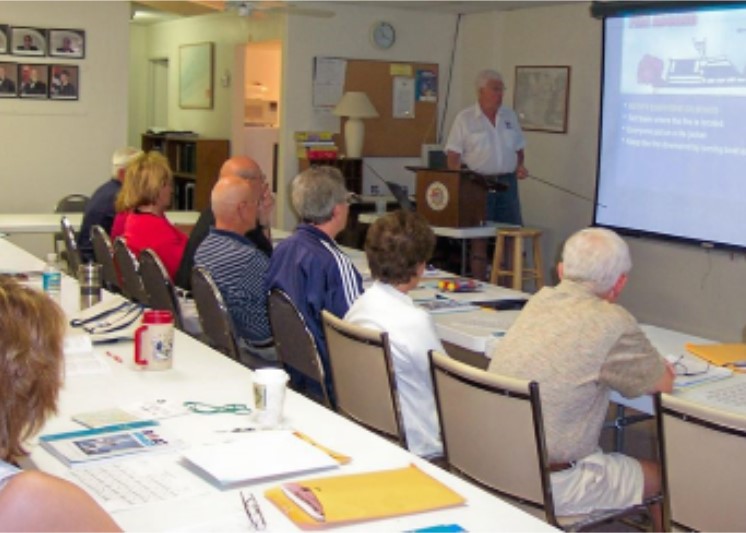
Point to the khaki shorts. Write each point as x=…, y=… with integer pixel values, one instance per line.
x=598, y=481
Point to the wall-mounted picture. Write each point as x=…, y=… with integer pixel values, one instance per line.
x=64, y=82
x=4, y=38
x=34, y=80
x=29, y=41
x=8, y=80
x=541, y=96
x=67, y=43
x=195, y=76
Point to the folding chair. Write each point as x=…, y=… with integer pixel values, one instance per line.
x=104, y=254
x=701, y=451
x=72, y=254
x=295, y=344
x=132, y=286
x=363, y=377
x=490, y=426
x=72, y=203
x=158, y=286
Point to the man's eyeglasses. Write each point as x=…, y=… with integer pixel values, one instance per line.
x=208, y=409
x=253, y=512
x=682, y=370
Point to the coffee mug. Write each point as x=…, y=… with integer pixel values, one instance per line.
x=269, y=395
x=154, y=341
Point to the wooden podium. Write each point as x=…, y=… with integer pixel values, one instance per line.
x=449, y=198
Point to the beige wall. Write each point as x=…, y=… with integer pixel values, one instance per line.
x=672, y=285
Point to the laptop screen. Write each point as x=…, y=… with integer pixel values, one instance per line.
x=402, y=198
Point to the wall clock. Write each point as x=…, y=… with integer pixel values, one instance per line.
x=383, y=35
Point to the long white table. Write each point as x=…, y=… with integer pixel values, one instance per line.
x=22, y=223
x=201, y=374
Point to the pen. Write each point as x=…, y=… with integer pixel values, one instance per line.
x=114, y=356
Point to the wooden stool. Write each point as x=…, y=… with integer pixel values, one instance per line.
x=514, y=263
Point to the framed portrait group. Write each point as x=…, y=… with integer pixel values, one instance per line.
x=29, y=79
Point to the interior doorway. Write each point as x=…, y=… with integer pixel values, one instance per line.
x=158, y=108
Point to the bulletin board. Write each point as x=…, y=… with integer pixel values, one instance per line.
x=387, y=136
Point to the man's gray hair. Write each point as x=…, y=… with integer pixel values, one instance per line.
x=595, y=257
x=316, y=191
x=486, y=76
x=122, y=157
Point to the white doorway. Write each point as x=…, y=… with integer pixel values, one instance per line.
x=158, y=108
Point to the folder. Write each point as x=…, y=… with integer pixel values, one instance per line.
x=367, y=496
x=732, y=356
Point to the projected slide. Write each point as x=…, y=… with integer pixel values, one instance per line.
x=673, y=138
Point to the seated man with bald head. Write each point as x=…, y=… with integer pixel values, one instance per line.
x=248, y=169
x=238, y=267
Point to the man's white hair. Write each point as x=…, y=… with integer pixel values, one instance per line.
x=122, y=157
x=486, y=76
x=595, y=257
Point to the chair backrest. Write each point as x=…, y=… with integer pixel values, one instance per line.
x=72, y=203
x=132, y=286
x=363, y=376
x=158, y=285
x=702, y=454
x=492, y=430
x=71, y=246
x=104, y=254
x=294, y=343
x=214, y=317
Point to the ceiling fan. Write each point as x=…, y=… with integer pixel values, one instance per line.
x=246, y=8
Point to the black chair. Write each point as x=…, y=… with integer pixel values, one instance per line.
x=216, y=321
x=132, y=286
x=72, y=203
x=72, y=254
x=295, y=344
x=159, y=287
x=104, y=254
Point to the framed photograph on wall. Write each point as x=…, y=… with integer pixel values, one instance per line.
x=67, y=43
x=28, y=41
x=34, y=80
x=541, y=98
x=195, y=76
x=64, y=82
x=8, y=80
x=4, y=39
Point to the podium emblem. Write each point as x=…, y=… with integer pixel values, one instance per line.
x=437, y=196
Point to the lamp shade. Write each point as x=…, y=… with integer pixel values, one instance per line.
x=355, y=104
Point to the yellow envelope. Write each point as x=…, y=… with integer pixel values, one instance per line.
x=368, y=496
x=720, y=354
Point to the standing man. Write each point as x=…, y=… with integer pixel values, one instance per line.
x=578, y=344
x=308, y=265
x=235, y=264
x=487, y=139
x=100, y=208
x=259, y=234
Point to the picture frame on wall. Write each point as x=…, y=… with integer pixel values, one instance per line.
x=28, y=41
x=64, y=82
x=196, y=76
x=541, y=97
x=34, y=81
x=8, y=80
x=4, y=39
x=67, y=43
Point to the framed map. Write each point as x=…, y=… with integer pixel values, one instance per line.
x=541, y=98
x=196, y=76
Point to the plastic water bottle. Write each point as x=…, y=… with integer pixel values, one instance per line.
x=52, y=278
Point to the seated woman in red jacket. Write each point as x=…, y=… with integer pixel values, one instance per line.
x=141, y=206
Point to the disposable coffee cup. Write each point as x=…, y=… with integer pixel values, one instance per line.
x=89, y=279
x=269, y=396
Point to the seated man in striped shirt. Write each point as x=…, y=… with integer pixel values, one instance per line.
x=238, y=267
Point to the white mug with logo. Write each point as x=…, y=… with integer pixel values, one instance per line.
x=269, y=395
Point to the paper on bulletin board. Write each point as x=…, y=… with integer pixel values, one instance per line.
x=427, y=85
x=403, y=97
x=328, y=81
x=400, y=69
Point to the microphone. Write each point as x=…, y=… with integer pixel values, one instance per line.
x=568, y=191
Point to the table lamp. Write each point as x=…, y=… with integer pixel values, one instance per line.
x=355, y=106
